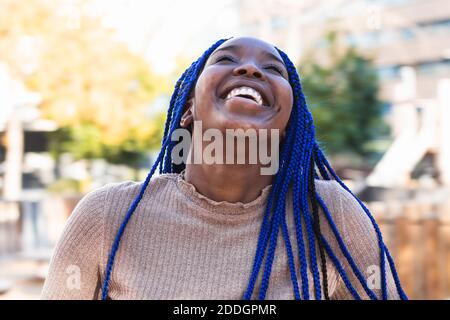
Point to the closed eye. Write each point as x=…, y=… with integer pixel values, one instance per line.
x=275, y=68
x=225, y=58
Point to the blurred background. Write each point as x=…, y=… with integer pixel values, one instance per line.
x=84, y=87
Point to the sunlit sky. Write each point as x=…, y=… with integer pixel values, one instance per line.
x=164, y=30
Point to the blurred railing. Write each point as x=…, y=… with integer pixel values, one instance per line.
x=417, y=234
x=10, y=227
x=31, y=225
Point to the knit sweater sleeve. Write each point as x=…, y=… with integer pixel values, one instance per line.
x=74, y=267
x=361, y=239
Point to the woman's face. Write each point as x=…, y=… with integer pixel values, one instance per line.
x=244, y=84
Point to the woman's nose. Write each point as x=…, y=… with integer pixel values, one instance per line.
x=249, y=70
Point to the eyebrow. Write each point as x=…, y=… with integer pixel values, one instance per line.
x=266, y=53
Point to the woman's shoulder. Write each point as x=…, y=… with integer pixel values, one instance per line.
x=353, y=220
x=131, y=188
x=111, y=195
x=331, y=192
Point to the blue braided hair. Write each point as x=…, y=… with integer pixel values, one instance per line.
x=300, y=155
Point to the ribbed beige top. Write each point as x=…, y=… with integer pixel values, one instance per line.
x=181, y=245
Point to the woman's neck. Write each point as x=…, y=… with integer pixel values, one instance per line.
x=225, y=182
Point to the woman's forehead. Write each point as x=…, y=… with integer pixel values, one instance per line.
x=254, y=44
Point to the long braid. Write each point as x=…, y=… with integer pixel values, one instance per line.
x=340, y=269
x=172, y=103
x=178, y=101
x=316, y=224
x=345, y=251
x=377, y=229
x=290, y=257
x=116, y=242
x=280, y=202
x=302, y=151
x=300, y=242
x=395, y=275
x=323, y=165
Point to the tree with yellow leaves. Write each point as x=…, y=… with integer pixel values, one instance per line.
x=92, y=86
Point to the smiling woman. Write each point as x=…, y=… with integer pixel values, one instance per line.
x=192, y=231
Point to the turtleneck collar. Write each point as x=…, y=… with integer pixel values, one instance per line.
x=222, y=207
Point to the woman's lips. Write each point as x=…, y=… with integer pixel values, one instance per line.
x=246, y=92
x=244, y=106
x=261, y=94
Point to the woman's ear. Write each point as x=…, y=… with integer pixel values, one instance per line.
x=187, y=117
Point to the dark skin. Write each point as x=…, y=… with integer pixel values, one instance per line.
x=237, y=62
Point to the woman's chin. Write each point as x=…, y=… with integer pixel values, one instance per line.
x=239, y=122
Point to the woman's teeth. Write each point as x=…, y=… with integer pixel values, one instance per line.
x=246, y=92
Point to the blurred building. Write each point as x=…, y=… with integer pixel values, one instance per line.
x=394, y=33
x=408, y=43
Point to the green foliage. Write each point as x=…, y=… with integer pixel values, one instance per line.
x=65, y=186
x=84, y=141
x=342, y=95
